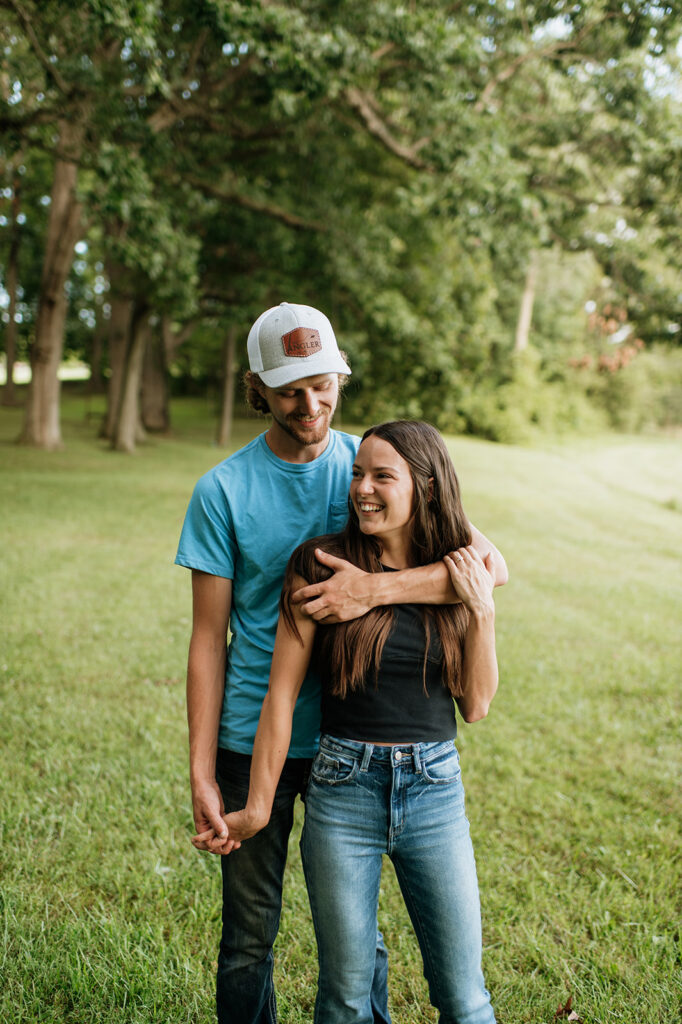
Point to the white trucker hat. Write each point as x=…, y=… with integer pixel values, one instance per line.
x=289, y=342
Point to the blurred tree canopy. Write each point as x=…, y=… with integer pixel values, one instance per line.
x=462, y=187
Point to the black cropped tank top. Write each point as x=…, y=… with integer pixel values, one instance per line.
x=401, y=705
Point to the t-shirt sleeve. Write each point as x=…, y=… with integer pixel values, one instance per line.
x=207, y=541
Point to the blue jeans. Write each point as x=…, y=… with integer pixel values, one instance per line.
x=408, y=802
x=252, y=901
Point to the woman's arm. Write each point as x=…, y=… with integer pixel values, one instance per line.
x=472, y=579
x=290, y=661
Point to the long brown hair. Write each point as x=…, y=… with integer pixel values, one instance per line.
x=350, y=651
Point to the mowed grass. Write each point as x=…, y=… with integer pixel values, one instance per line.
x=573, y=782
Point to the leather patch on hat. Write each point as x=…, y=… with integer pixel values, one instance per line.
x=304, y=341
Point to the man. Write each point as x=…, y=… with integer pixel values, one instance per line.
x=245, y=518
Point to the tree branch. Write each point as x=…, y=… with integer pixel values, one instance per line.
x=50, y=68
x=42, y=115
x=376, y=125
x=547, y=185
x=556, y=48
x=291, y=220
x=175, y=108
x=195, y=54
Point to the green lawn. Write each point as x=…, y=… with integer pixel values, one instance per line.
x=573, y=781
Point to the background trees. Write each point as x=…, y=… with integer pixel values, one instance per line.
x=423, y=173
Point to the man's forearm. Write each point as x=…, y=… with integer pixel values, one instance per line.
x=431, y=584
x=426, y=584
x=496, y=565
x=205, y=686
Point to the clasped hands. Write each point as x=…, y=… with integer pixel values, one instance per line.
x=228, y=836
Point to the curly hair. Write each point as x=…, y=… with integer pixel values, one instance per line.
x=255, y=400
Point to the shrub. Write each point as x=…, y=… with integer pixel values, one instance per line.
x=645, y=394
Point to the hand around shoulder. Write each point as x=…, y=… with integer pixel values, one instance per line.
x=347, y=594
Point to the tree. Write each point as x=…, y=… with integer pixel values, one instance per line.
x=12, y=287
x=399, y=164
x=74, y=60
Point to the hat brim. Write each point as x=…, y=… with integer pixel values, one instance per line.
x=302, y=368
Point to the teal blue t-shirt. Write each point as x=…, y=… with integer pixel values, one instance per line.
x=244, y=519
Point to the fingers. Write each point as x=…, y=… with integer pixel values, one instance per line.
x=207, y=841
x=313, y=606
x=318, y=609
x=219, y=826
x=200, y=841
x=320, y=612
x=215, y=844
x=306, y=593
x=475, y=555
x=331, y=561
x=467, y=568
x=450, y=566
x=466, y=555
x=455, y=561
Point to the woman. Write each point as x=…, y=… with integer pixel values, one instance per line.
x=386, y=778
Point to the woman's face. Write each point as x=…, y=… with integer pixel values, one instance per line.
x=382, y=490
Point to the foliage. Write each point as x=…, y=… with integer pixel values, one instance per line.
x=395, y=165
x=644, y=394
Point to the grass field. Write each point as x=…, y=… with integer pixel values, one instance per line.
x=573, y=781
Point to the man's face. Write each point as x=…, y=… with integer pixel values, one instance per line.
x=304, y=408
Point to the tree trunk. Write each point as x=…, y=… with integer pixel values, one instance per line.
x=41, y=425
x=227, y=405
x=9, y=396
x=129, y=430
x=155, y=407
x=96, y=382
x=527, y=302
x=119, y=343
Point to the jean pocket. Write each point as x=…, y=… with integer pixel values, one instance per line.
x=443, y=767
x=331, y=769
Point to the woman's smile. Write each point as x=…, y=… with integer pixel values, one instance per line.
x=382, y=493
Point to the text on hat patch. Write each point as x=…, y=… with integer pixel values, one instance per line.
x=303, y=341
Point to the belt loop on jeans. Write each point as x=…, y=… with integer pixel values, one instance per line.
x=416, y=758
x=366, y=756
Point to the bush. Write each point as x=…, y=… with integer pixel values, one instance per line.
x=645, y=394
x=525, y=405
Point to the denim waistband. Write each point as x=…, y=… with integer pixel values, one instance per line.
x=398, y=753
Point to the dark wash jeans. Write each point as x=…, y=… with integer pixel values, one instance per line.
x=252, y=901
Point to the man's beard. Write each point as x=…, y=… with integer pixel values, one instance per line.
x=306, y=437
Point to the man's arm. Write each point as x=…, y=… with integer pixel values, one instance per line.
x=485, y=547
x=211, y=603
x=350, y=592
